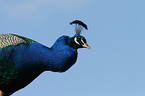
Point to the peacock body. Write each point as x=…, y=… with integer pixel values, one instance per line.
x=23, y=59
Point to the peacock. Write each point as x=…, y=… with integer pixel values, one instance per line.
x=23, y=59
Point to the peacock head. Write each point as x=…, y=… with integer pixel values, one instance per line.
x=79, y=41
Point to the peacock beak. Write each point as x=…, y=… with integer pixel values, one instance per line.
x=86, y=46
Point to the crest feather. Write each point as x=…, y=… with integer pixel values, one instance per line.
x=79, y=26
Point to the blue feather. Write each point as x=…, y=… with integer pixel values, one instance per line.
x=23, y=59
x=24, y=62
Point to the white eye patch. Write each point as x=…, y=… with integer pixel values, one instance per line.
x=75, y=39
x=83, y=42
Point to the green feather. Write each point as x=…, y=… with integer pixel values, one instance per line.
x=12, y=39
x=24, y=38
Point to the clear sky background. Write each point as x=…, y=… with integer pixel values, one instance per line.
x=115, y=66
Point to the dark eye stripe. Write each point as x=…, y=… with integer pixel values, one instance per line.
x=78, y=38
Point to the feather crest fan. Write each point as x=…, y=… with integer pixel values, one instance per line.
x=79, y=26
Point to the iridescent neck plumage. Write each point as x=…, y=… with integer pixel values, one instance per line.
x=61, y=55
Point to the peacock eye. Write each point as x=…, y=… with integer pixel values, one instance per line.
x=76, y=40
x=79, y=38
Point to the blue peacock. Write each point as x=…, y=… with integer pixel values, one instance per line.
x=23, y=59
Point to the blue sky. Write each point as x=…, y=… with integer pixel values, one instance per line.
x=115, y=66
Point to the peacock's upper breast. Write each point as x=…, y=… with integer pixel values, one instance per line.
x=62, y=60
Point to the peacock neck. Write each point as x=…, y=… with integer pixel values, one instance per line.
x=60, y=57
x=38, y=58
x=61, y=60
